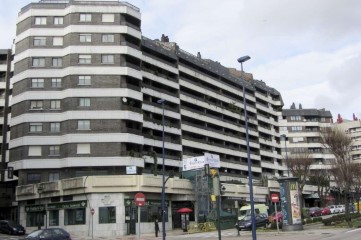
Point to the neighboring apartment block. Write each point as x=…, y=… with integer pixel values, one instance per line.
x=353, y=129
x=8, y=205
x=302, y=128
x=86, y=126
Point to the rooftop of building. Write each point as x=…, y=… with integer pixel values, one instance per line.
x=293, y=111
x=172, y=50
x=66, y=3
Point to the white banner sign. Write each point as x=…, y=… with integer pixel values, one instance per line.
x=199, y=162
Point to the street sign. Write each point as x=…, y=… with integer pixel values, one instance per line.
x=139, y=199
x=92, y=211
x=275, y=198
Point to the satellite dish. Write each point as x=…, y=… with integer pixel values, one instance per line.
x=124, y=99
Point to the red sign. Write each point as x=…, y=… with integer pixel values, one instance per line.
x=275, y=198
x=139, y=199
x=92, y=211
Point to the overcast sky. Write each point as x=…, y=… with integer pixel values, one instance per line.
x=308, y=50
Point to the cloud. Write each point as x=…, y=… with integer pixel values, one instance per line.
x=308, y=50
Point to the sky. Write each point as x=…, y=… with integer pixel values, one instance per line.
x=308, y=50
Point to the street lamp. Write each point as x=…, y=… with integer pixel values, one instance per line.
x=40, y=190
x=241, y=60
x=162, y=101
x=288, y=169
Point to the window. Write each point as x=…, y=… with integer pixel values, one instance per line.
x=296, y=129
x=84, y=80
x=33, y=218
x=54, y=150
x=58, y=20
x=85, y=59
x=84, y=102
x=67, y=198
x=39, y=41
x=85, y=37
x=53, y=176
x=54, y=218
x=108, y=38
x=33, y=178
x=55, y=104
x=38, y=104
x=40, y=20
x=107, y=215
x=57, y=41
x=108, y=17
x=34, y=151
x=83, y=124
x=74, y=216
x=56, y=82
x=83, y=148
x=37, y=83
x=295, y=118
x=38, y=62
x=36, y=127
x=85, y=17
x=55, y=127
x=57, y=62
x=107, y=58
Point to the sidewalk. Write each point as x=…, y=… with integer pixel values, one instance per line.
x=310, y=232
x=145, y=236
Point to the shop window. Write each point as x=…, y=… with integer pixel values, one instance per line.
x=34, y=219
x=107, y=215
x=74, y=216
x=54, y=218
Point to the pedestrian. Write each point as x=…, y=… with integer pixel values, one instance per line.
x=156, y=227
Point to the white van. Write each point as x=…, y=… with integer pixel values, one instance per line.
x=246, y=210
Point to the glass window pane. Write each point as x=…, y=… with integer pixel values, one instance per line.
x=107, y=215
x=54, y=218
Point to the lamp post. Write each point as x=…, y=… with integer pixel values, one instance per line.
x=40, y=190
x=241, y=60
x=161, y=101
x=288, y=169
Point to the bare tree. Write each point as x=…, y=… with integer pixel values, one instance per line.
x=357, y=184
x=299, y=164
x=321, y=179
x=340, y=145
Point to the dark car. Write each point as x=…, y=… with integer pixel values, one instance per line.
x=49, y=234
x=315, y=211
x=10, y=227
x=261, y=220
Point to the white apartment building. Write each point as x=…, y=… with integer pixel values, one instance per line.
x=86, y=123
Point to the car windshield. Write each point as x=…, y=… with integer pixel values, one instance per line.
x=35, y=234
x=247, y=218
x=244, y=212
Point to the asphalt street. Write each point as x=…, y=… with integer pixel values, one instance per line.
x=312, y=232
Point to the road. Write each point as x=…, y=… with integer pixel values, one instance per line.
x=310, y=233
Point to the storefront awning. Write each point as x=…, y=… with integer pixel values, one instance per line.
x=311, y=196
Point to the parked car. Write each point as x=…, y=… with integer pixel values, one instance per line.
x=315, y=212
x=325, y=211
x=261, y=220
x=10, y=227
x=334, y=209
x=273, y=217
x=341, y=207
x=49, y=234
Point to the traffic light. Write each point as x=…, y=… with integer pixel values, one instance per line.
x=213, y=172
x=10, y=172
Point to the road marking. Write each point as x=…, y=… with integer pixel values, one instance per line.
x=354, y=230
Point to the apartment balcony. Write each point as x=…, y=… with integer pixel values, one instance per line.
x=25, y=190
